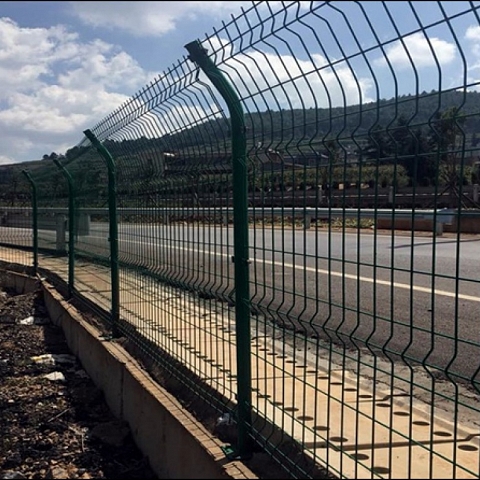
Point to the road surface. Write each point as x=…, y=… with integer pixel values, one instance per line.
x=414, y=298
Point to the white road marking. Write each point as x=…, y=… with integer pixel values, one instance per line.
x=350, y=276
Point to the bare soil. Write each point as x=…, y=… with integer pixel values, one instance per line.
x=63, y=428
x=60, y=427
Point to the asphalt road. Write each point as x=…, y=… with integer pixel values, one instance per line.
x=411, y=298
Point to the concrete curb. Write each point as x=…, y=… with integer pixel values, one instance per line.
x=175, y=443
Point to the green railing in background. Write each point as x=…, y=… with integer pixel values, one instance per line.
x=285, y=223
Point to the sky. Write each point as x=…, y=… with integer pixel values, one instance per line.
x=65, y=65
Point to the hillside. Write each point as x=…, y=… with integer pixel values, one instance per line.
x=410, y=129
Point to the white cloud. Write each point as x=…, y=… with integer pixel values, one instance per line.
x=264, y=81
x=4, y=160
x=288, y=82
x=421, y=52
x=155, y=18
x=472, y=35
x=54, y=86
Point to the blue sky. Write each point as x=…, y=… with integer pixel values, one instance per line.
x=66, y=65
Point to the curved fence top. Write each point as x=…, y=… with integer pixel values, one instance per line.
x=309, y=72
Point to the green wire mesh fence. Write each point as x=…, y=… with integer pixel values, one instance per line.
x=16, y=218
x=285, y=228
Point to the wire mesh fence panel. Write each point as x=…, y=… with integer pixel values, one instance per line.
x=173, y=236
x=363, y=301
x=41, y=190
x=286, y=223
x=16, y=225
x=91, y=219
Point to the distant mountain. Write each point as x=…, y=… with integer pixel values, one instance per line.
x=205, y=148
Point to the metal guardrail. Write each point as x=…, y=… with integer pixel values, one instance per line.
x=56, y=219
x=445, y=215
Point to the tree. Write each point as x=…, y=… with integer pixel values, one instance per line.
x=447, y=142
x=52, y=156
x=334, y=158
x=474, y=140
x=412, y=151
x=378, y=145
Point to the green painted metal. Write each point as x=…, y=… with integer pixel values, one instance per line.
x=34, y=219
x=340, y=141
x=113, y=229
x=72, y=225
x=198, y=55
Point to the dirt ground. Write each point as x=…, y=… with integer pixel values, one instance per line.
x=54, y=422
x=57, y=426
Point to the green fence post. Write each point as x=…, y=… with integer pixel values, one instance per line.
x=198, y=55
x=71, y=226
x=35, y=220
x=113, y=229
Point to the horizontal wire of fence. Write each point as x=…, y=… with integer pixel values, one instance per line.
x=295, y=205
